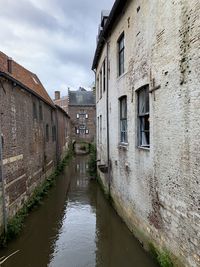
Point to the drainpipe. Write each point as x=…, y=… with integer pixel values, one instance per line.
x=5, y=222
x=107, y=118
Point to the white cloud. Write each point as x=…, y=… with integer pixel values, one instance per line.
x=54, y=39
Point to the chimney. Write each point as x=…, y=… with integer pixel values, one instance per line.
x=57, y=95
x=9, y=62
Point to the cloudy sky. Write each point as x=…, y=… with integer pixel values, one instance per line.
x=55, y=39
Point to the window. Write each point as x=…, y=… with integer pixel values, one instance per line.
x=34, y=111
x=40, y=111
x=77, y=131
x=86, y=116
x=87, y=131
x=100, y=85
x=104, y=75
x=77, y=116
x=123, y=119
x=54, y=133
x=121, y=55
x=100, y=130
x=51, y=115
x=47, y=133
x=97, y=87
x=143, y=117
x=82, y=129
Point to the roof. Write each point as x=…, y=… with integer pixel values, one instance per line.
x=115, y=13
x=26, y=78
x=81, y=97
x=62, y=110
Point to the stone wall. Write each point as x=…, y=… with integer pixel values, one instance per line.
x=156, y=190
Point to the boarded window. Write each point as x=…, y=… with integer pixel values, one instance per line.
x=34, y=111
x=47, y=133
x=143, y=117
x=40, y=111
x=54, y=133
x=123, y=119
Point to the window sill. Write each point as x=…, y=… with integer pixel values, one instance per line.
x=123, y=146
x=144, y=148
x=121, y=76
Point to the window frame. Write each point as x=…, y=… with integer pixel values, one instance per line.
x=35, y=115
x=121, y=54
x=40, y=111
x=47, y=132
x=123, y=120
x=143, y=118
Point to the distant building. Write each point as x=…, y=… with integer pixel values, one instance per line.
x=61, y=101
x=82, y=111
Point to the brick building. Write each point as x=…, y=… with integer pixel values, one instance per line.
x=82, y=111
x=148, y=132
x=61, y=101
x=30, y=125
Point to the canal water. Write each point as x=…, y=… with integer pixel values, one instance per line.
x=76, y=227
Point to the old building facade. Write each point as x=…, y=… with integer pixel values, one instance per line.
x=30, y=125
x=148, y=108
x=82, y=111
x=61, y=101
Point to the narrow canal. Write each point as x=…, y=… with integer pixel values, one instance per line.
x=76, y=227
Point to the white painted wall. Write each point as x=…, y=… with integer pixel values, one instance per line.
x=157, y=191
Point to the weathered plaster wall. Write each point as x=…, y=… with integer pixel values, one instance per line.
x=157, y=190
x=63, y=133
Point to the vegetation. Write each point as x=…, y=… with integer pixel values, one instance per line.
x=92, y=170
x=162, y=257
x=15, y=224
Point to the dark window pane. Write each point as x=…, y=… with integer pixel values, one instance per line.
x=143, y=114
x=123, y=120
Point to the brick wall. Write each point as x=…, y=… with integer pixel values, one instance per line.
x=29, y=147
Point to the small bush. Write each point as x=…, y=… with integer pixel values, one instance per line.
x=164, y=260
x=162, y=257
x=15, y=224
x=92, y=168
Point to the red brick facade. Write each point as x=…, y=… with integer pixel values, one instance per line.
x=34, y=134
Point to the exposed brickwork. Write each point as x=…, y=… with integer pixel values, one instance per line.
x=89, y=122
x=29, y=153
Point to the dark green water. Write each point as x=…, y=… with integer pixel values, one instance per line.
x=76, y=227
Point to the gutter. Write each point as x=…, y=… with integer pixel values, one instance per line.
x=115, y=13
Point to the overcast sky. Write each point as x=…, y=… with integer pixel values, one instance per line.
x=55, y=39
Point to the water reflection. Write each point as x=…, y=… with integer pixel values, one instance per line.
x=76, y=227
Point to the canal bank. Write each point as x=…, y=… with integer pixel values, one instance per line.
x=76, y=227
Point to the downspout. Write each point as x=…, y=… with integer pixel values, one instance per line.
x=107, y=118
x=5, y=220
